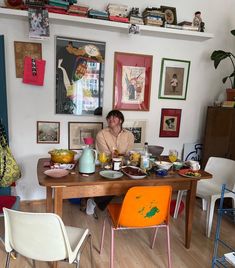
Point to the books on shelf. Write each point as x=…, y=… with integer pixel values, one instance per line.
x=179, y=27
x=228, y=104
x=119, y=19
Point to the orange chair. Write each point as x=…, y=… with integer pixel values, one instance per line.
x=142, y=207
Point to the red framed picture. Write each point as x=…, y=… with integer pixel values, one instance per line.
x=170, y=123
x=132, y=81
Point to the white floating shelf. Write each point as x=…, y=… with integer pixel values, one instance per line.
x=110, y=25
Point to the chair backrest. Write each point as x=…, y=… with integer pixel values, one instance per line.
x=145, y=206
x=39, y=236
x=223, y=171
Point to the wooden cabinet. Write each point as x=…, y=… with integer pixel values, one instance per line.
x=219, y=139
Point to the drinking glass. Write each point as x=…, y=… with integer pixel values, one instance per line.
x=173, y=155
x=103, y=158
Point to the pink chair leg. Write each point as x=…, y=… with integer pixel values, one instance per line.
x=168, y=246
x=102, y=236
x=154, y=237
x=112, y=247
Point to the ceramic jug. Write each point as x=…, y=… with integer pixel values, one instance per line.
x=87, y=161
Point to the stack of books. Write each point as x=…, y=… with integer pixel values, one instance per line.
x=153, y=16
x=58, y=6
x=118, y=12
x=134, y=16
x=76, y=10
x=98, y=14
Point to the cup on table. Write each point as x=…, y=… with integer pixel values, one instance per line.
x=194, y=165
x=135, y=158
x=103, y=158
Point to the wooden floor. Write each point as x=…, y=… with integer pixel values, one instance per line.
x=132, y=247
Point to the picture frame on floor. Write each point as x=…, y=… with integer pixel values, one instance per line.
x=174, y=79
x=170, y=123
x=77, y=131
x=48, y=132
x=132, y=81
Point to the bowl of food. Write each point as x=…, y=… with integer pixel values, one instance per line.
x=62, y=156
x=134, y=172
x=163, y=164
x=56, y=173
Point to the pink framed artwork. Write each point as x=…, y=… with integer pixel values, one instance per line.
x=132, y=81
x=170, y=123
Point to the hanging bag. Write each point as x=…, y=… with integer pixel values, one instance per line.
x=34, y=70
x=9, y=170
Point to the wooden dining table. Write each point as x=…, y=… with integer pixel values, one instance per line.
x=76, y=185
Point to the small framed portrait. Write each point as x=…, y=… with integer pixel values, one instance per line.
x=132, y=81
x=170, y=123
x=48, y=132
x=174, y=79
x=170, y=14
x=77, y=131
x=138, y=128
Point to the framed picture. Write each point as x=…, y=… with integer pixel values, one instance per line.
x=22, y=49
x=48, y=132
x=170, y=14
x=132, y=81
x=80, y=130
x=138, y=128
x=170, y=123
x=174, y=79
x=79, y=76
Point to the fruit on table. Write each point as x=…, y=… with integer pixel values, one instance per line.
x=62, y=156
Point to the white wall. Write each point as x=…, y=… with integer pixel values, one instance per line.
x=27, y=104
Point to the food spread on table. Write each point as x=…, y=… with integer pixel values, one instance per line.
x=133, y=171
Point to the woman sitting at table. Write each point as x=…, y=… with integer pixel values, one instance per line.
x=114, y=141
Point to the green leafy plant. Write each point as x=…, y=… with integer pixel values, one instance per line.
x=218, y=55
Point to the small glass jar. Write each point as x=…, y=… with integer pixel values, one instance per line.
x=117, y=163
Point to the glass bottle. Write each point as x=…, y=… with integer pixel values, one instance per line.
x=144, y=161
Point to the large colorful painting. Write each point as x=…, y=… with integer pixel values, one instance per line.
x=79, y=76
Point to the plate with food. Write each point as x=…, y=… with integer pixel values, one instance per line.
x=134, y=172
x=189, y=173
x=111, y=174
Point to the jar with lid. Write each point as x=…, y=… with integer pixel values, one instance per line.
x=117, y=163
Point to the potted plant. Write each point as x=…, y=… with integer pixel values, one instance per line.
x=217, y=56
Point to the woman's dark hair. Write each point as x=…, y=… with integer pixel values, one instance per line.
x=117, y=114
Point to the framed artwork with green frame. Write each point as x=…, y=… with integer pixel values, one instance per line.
x=174, y=79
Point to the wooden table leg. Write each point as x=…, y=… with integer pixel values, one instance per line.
x=190, y=202
x=58, y=200
x=49, y=200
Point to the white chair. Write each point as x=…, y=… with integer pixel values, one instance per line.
x=223, y=171
x=43, y=237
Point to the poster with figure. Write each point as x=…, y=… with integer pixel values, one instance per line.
x=174, y=79
x=133, y=84
x=193, y=151
x=38, y=23
x=79, y=76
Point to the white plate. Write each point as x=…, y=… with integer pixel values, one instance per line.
x=111, y=174
x=56, y=173
x=135, y=177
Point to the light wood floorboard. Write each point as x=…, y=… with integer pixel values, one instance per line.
x=132, y=248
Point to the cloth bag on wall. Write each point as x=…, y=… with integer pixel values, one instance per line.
x=34, y=70
x=9, y=170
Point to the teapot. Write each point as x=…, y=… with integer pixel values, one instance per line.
x=87, y=161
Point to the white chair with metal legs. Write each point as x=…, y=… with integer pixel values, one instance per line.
x=43, y=237
x=223, y=171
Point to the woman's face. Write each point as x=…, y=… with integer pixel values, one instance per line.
x=114, y=121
